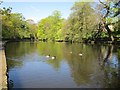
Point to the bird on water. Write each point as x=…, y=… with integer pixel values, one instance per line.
x=80, y=54
x=53, y=57
x=70, y=52
x=48, y=56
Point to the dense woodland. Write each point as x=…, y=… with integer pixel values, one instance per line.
x=89, y=21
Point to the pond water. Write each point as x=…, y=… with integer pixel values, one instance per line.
x=75, y=65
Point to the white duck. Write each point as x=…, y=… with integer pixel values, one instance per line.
x=70, y=52
x=47, y=56
x=80, y=54
x=53, y=57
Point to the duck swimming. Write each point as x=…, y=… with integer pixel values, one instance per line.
x=53, y=57
x=48, y=56
x=70, y=52
x=80, y=54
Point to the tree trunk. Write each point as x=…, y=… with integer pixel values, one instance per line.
x=107, y=7
x=109, y=33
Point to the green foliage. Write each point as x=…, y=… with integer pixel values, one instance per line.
x=81, y=22
x=14, y=25
x=49, y=28
x=114, y=11
x=81, y=25
x=32, y=28
x=108, y=13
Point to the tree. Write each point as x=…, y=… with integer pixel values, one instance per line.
x=49, y=28
x=32, y=28
x=14, y=25
x=81, y=22
x=109, y=17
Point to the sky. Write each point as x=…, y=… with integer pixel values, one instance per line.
x=50, y=0
x=39, y=10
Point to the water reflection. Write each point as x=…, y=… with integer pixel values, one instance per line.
x=98, y=66
x=110, y=65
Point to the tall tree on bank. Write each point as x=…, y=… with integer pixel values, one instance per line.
x=81, y=23
x=49, y=28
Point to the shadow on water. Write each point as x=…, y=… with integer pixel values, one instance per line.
x=97, y=66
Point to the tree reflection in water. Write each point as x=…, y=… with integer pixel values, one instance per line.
x=98, y=66
x=81, y=67
x=110, y=65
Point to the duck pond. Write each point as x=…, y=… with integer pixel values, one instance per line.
x=62, y=65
